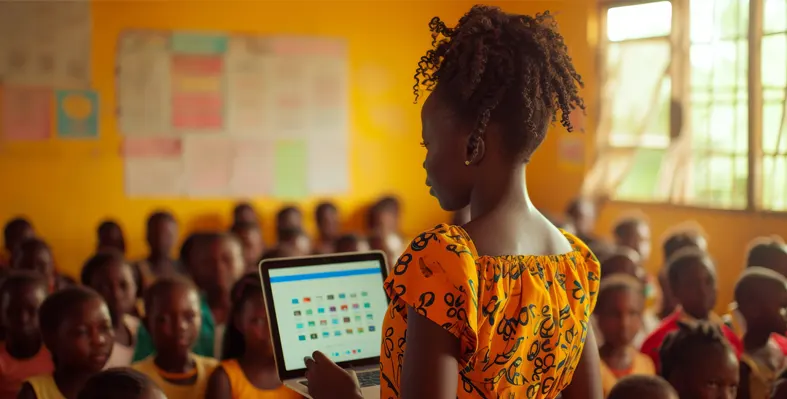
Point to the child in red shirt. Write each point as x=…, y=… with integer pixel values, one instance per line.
x=692, y=277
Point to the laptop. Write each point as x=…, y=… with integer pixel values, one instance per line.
x=331, y=303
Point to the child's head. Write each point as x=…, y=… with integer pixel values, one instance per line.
x=21, y=295
x=248, y=324
x=692, y=279
x=623, y=260
x=172, y=315
x=642, y=387
x=16, y=231
x=244, y=213
x=699, y=362
x=288, y=218
x=327, y=216
x=214, y=261
x=384, y=216
x=768, y=252
x=111, y=276
x=77, y=329
x=162, y=232
x=619, y=309
x=686, y=238
x=110, y=237
x=250, y=237
x=581, y=214
x=293, y=242
x=634, y=232
x=35, y=255
x=761, y=297
x=120, y=383
x=351, y=243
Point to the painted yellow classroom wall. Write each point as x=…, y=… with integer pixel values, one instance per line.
x=67, y=187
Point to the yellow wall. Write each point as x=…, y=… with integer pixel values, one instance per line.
x=66, y=188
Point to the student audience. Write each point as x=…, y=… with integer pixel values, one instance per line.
x=224, y=349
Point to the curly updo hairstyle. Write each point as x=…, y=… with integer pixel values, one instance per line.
x=507, y=69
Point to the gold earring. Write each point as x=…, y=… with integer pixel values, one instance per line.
x=467, y=163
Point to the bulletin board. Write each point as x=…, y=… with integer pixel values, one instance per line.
x=207, y=114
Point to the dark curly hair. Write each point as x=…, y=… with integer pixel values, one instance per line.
x=117, y=383
x=681, y=347
x=508, y=69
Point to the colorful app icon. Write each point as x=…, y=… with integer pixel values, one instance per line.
x=359, y=351
x=296, y=313
x=353, y=295
x=369, y=316
x=364, y=293
x=356, y=306
x=367, y=305
x=357, y=318
x=360, y=330
x=311, y=324
x=333, y=308
x=342, y=296
x=299, y=326
x=330, y=297
x=334, y=321
x=347, y=352
x=320, y=310
x=344, y=308
x=326, y=334
x=294, y=301
x=301, y=338
x=349, y=331
x=309, y=312
x=307, y=300
x=323, y=322
x=335, y=354
x=346, y=319
x=337, y=333
x=354, y=351
x=371, y=328
x=313, y=336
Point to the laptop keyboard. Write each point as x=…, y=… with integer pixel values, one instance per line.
x=367, y=379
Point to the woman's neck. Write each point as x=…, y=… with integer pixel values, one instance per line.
x=174, y=362
x=501, y=195
x=69, y=381
x=23, y=348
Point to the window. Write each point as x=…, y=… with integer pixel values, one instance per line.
x=678, y=102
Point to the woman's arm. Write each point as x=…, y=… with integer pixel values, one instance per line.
x=586, y=383
x=218, y=385
x=431, y=360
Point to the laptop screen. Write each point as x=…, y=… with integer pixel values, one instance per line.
x=334, y=308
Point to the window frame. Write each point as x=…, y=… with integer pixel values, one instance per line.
x=680, y=111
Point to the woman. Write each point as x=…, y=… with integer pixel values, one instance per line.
x=469, y=316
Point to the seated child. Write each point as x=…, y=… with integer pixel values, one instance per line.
x=215, y=262
x=634, y=233
x=292, y=243
x=351, y=243
x=172, y=315
x=619, y=319
x=767, y=252
x=248, y=369
x=328, y=224
x=288, y=218
x=682, y=236
x=77, y=329
x=161, y=234
x=35, y=255
x=692, y=276
x=384, y=223
x=15, y=231
x=110, y=237
x=23, y=354
x=120, y=383
x=111, y=276
x=581, y=219
x=250, y=236
x=699, y=362
x=761, y=295
x=243, y=213
x=642, y=387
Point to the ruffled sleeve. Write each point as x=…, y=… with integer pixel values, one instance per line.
x=437, y=276
x=588, y=272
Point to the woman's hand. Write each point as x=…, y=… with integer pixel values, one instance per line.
x=329, y=381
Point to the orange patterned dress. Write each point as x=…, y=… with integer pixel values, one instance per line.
x=521, y=320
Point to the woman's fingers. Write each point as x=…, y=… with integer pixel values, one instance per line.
x=320, y=357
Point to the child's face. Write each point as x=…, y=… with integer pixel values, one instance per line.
x=714, y=375
x=19, y=311
x=328, y=222
x=696, y=288
x=359, y=245
x=85, y=338
x=620, y=317
x=162, y=236
x=225, y=261
x=246, y=215
x=777, y=261
x=251, y=240
x=111, y=238
x=772, y=313
x=39, y=260
x=174, y=320
x=584, y=217
x=639, y=240
x=253, y=323
x=290, y=221
x=620, y=264
x=117, y=285
x=17, y=237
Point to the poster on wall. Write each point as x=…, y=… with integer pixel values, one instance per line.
x=77, y=113
x=26, y=113
x=254, y=115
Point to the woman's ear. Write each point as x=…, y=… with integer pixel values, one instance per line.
x=476, y=149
